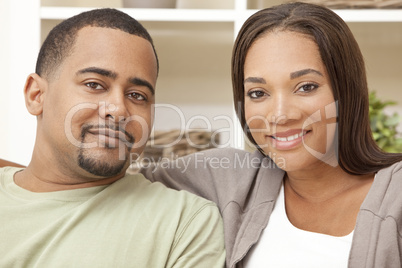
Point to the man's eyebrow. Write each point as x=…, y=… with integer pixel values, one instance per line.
x=97, y=70
x=251, y=79
x=141, y=82
x=304, y=72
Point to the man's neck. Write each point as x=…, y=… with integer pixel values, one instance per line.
x=38, y=181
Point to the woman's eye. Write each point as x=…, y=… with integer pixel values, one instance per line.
x=136, y=96
x=307, y=88
x=94, y=86
x=256, y=94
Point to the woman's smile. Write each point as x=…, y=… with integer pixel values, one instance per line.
x=287, y=140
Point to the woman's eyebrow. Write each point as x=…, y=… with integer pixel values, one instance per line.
x=304, y=72
x=293, y=75
x=252, y=79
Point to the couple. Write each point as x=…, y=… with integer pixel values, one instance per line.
x=318, y=192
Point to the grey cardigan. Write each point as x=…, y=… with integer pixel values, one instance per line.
x=245, y=186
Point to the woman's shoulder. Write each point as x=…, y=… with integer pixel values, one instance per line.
x=392, y=172
x=384, y=195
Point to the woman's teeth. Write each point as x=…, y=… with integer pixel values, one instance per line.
x=290, y=138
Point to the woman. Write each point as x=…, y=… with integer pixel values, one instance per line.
x=318, y=192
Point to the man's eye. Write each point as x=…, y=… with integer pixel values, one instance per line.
x=136, y=96
x=94, y=85
x=256, y=94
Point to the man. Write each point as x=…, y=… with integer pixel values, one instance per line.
x=73, y=206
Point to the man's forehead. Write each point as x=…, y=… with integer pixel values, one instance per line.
x=100, y=46
x=95, y=38
x=102, y=41
x=97, y=30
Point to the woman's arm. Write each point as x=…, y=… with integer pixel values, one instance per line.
x=214, y=174
x=191, y=173
x=5, y=163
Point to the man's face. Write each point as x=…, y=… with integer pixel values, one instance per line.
x=98, y=106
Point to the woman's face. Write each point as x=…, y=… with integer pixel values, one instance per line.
x=289, y=105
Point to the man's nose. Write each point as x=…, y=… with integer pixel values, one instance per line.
x=114, y=108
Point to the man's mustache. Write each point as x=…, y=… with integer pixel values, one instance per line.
x=105, y=128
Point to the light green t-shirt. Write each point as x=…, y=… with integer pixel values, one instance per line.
x=130, y=223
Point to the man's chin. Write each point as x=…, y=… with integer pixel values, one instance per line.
x=109, y=153
x=105, y=164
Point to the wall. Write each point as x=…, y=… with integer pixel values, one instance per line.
x=381, y=45
x=18, y=50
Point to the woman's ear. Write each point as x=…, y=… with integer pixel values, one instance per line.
x=34, y=89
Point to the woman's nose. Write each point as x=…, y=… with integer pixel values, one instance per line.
x=282, y=109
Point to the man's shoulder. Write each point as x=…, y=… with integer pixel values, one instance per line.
x=9, y=170
x=181, y=208
x=161, y=194
x=6, y=172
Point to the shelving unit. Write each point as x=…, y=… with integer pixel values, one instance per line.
x=194, y=47
x=219, y=15
x=236, y=16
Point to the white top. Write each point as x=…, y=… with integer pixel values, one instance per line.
x=283, y=245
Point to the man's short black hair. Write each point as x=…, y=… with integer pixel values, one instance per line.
x=60, y=41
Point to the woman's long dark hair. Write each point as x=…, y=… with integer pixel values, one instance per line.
x=357, y=152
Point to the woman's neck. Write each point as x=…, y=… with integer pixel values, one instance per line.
x=323, y=183
x=327, y=201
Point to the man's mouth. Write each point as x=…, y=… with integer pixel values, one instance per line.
x=120, y=134
x=108, y=133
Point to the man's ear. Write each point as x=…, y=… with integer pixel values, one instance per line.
x=34, y=89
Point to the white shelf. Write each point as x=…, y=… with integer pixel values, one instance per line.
x=370, y=15
x=218, y=15
x=147, y=14
x=362, y=15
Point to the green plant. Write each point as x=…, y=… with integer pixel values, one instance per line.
x=384, y=126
